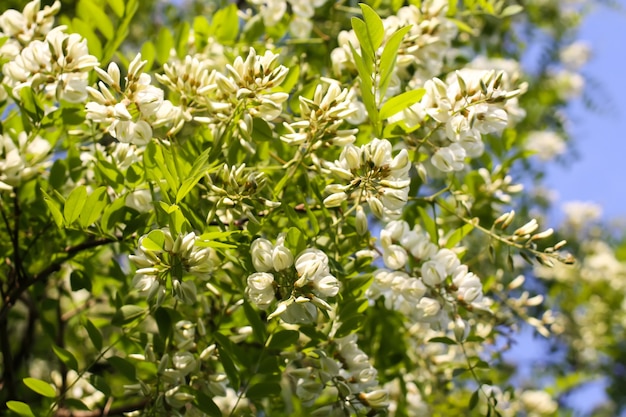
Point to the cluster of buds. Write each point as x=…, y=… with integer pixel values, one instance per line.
x=422, y=281
x=321, y=117
x=191, y=81
x=19, y=29
x=129, y=112
x=160, y=256
x=183, y=372
x=300, y=25
x=21, y=159
x=470, y=103
x=422, y=51
x=299, y=285
x=345, y=369
x=373, y=176
x=254, y=80
x=58, y=66
x=235, y=194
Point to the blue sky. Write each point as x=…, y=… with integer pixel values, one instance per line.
x=600, y=172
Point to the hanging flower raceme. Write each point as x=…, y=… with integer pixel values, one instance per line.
x=470, y=103
x=238, y=194
x=373, y=176
x=57, y=65
x=33, y=23
x=300, y=286
x=129, y=112
x=21, y=158
x=159, y=256
x=321, y=117
x=422, y=281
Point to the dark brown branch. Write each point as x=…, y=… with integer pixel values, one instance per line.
x=19, y=287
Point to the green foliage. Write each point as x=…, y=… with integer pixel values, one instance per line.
x=265, y=213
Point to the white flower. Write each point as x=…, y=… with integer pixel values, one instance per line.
x=449, y=158
x=261, y=251
x=311, y=263
x=545, y=144
x=433, y=273
x=575, y=55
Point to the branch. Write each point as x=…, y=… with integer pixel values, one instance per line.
x=19, y=287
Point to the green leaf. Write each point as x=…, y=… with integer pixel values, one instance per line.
x=95, y=204
x=458, y=235
x=54, y=208
x=463, y=27
x=473, y=400
x=442, y=339
x=29, y=103
x=121, y=32
x=94, y=334
x=226, y=358
x=182, y=40
x=154, y=241
x=113, y=214
x=117, y=6
x=258, y=327
x=375, y=28
x=100, y=384
x=388, y=59
x=365, y=76
x=20, y=408
x=350, y=326
x=225, y=24
x=164, y=43
x=367, y=51
x=198, y=170
x=148, y=53
x=40, y=387
x=205, y=404
x=263, y=390
x=66, y=357
x=89, y=12
x=74, y=204
x=74, y=404
x=511, y=10
x=261, y=130
x=127, y=313
x=403, y=101
x=85, y=29
x=429, y=224
x=123, y=366
x=283, y=339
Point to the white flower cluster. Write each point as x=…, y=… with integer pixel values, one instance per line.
x=20, y=29
x=300, y=26
x=236, y=194
x=468, y=104
x=159, y=255
x=300, y=285
x=546, y=144
x=21, y=158
x=190, y=365
x=130, y=112
x=422, y=281
x=423, y=49
x=373, y=176
x=57, y=65
x=194, y=83
x=347, y=370
x=321, y=117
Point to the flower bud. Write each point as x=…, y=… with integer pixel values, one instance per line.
x=361, y=221
x=335, y=200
